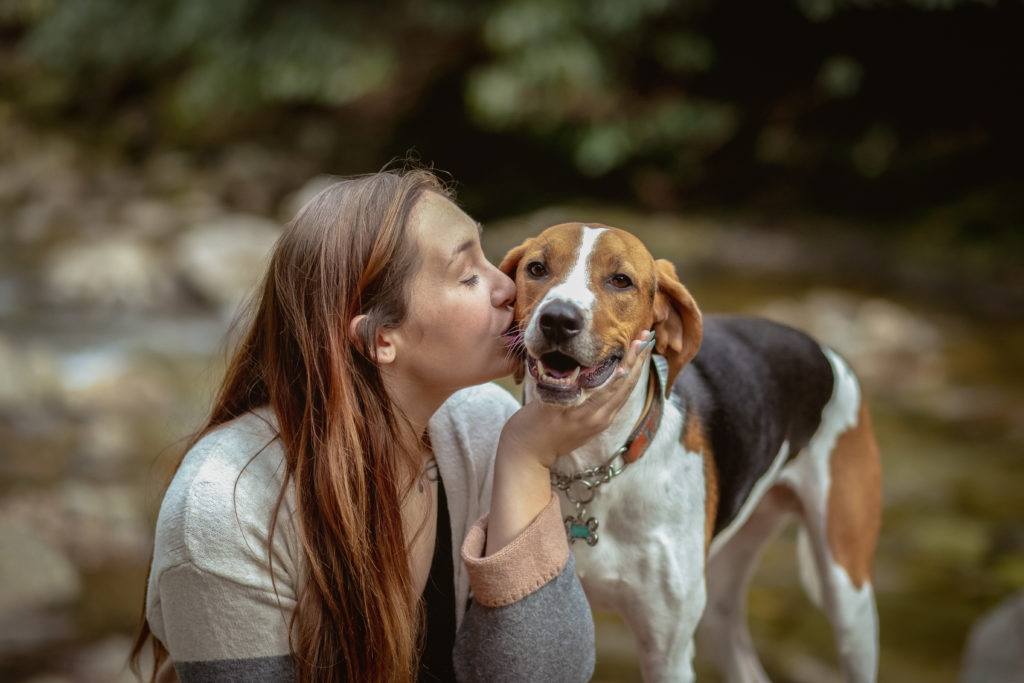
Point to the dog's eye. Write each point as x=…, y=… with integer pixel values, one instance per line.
x=621, y=281
x=536, y=269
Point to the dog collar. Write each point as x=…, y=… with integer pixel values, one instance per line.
x=581, y=487
x=637, y=443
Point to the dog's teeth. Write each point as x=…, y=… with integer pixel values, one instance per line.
x=564, y=381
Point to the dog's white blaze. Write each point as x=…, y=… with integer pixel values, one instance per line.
x=575, y=288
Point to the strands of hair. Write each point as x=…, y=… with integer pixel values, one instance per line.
x=350, y=456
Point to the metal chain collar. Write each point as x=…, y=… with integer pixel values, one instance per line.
x=587, y=481
x=581, y=487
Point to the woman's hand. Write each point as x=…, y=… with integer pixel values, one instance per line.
x=538, y=433
x=542, y=432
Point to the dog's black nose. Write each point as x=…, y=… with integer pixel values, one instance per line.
x=560, y=321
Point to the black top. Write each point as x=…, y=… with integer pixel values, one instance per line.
x=439, y=602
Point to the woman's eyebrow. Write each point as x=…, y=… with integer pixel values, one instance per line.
x=468, y=244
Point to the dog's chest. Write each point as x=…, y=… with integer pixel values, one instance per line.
x=655, y=507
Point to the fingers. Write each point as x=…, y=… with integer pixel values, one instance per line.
x=611, y=398
x=555, y=430
x=639, y=352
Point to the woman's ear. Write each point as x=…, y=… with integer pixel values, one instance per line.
x=678, y=327
x=384, y=350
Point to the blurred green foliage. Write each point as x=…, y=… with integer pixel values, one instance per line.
x=881, y=106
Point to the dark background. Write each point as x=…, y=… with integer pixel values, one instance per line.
x=876, y=110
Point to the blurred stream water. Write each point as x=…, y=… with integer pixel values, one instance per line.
x=109, y=351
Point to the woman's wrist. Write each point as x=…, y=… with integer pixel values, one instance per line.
x=521, y=489
x=527, y=436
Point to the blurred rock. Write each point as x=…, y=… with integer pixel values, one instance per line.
x=170, y=172
x=197, y=206
x=976, y=404
x=994, y=651
x=249, y=173
x=38, y=585
x=222, y=260
x=103, y=523
x=10, y=296
x=28, y=374
x=14, y=183
x=93, y=524
x=105, y=661
x=886, y=343
x=109, y=378
x=111, y=274
x=856, y=325
x=106, y=444
x=33, y=221
x=149, y=219
x=758, y=250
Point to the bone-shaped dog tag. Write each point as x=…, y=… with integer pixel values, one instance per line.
x=577, y=528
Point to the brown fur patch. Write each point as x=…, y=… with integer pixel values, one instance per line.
x=695, y=441
x=855, y=499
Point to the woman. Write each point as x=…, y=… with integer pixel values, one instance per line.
x=309, y=531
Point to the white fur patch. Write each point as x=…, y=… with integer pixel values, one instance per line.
x=575, y=288
x=811, y=472
x=856, y=626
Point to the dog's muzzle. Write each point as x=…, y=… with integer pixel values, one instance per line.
x=560, y=363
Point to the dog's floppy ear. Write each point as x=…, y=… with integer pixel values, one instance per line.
x=509, y=265
x=677, y=321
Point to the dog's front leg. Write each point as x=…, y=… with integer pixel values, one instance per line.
x=663, y=608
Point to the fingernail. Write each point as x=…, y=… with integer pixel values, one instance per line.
x=624, y=373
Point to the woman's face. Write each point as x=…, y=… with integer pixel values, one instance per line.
x=460, y=304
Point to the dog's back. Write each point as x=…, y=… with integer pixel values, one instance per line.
x=790, y=436
x=754, y=384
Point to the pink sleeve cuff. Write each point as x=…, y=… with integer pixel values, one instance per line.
x=529, y=561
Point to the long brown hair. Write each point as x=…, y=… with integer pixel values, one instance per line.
x=349, y=453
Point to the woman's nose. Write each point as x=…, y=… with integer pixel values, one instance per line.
x=504, y=291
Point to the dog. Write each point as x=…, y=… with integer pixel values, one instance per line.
x=737, y=425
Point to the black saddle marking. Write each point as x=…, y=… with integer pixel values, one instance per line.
x=754, y=384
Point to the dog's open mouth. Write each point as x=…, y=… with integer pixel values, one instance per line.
x=557, y=372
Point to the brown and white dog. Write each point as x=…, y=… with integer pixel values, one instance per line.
x=706, y=461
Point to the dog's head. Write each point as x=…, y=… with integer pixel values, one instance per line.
x=583, y=293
